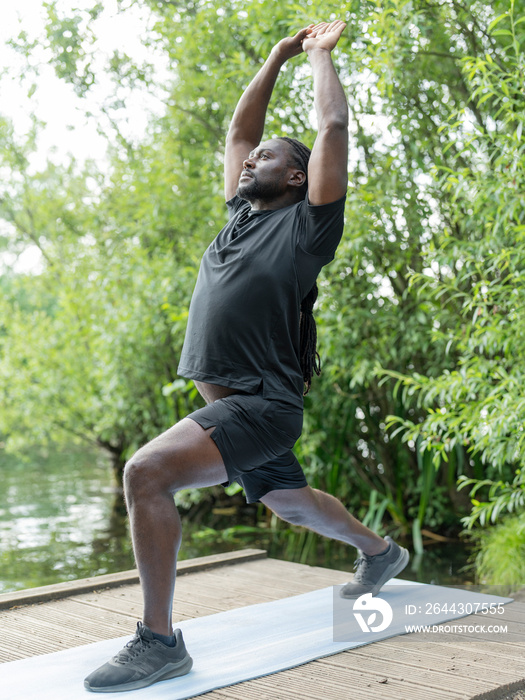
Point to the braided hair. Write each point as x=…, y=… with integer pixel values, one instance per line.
x=299, y=155
x=310, y=360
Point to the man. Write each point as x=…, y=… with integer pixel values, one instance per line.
x=243, y=348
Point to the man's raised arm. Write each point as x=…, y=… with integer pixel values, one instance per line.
x=328, y=166
x=247, y=125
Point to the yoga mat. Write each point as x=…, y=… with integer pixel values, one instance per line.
x=234, y=646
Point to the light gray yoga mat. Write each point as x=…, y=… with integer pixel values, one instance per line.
x=238, y=645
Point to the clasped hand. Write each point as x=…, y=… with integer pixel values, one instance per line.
x=324, y=36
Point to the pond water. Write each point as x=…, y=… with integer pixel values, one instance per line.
x=56, y=514
x=62, y=518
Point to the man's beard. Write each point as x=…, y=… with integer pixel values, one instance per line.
x=253, y=190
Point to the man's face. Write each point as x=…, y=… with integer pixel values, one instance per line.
x=265, y=172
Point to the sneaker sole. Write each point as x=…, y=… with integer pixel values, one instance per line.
x=181, y=668
x=393, y=570
x=397, y=567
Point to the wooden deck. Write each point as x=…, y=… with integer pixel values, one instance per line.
x=105, y=607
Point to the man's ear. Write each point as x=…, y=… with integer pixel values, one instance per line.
x=297, y=178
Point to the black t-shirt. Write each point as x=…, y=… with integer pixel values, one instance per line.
x=243, y=326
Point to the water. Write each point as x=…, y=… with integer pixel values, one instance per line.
x=58, y=519
x=62, y=518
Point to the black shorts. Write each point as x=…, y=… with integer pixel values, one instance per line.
x=255, y=437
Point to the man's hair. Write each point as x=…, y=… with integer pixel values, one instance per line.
x=299, y=157
x=310, y=360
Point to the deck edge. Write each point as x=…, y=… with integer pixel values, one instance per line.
x=65, y=589
x=502, y=692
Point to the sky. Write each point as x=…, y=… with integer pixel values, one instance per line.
x=54, y=101
x=68, y=130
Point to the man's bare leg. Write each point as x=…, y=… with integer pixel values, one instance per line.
x=382, y=558
x=184, y=456
x=324, y=514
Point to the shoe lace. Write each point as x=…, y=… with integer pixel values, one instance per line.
x=136, y=646
x=361, y=567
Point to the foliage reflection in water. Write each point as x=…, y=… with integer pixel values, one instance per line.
x=62, y=518
x=59, y=519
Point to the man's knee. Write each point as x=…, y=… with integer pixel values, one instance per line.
x=139, y=472
x=147, y=472
x=182, y=457
x=291, y=505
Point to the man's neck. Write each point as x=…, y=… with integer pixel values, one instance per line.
x=281, y=202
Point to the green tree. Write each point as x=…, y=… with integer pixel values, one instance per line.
x=119, y=271
x=89, y=344
x=478, y=273
x=405, y=72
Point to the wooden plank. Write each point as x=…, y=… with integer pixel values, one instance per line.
x=510, y=691
x=436, y=654
x=69, y=588
x=399, y=668
x=316, y=681
x=449, y=673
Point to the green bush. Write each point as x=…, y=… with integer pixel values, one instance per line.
x=500, y=560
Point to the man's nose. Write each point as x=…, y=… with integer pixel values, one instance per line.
x=247, y=164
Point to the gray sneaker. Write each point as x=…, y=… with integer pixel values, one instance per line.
x=372, y=572
x=143, y=661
